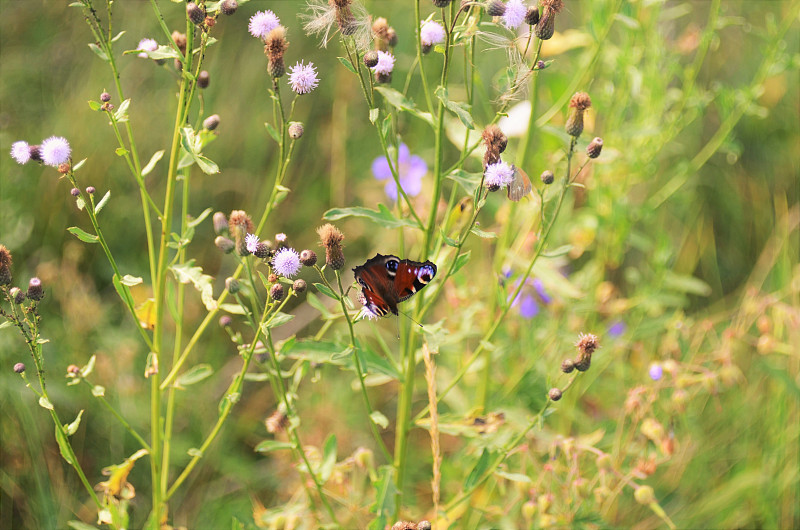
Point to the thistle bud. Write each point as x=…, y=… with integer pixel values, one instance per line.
x=308, y=258
x=331, y=238
x=276, y=292
x=19, y=368
x=228, y=7
x=5, y=265
x=220, y=223
x=180, y=41
x=295, y=130
x=441, y=3
x=64, y=167
x=105, y=97
x=546, y=25
x=275, y=46
x=90, y=190
x=276, y=68
x=567, y=366
x=496, y=8
x=212, y=122
x=547, y=176
x=299, y=286
x=196, y=13
x=232, y=285
x=224, y=244
x=578, y=105
x=35, y=290
x=263, y=250
x=391, y=37
x=203, y=79
x=554, y=394
x=594, y=147
x=371, y=59
x=225, y=321
x=532, y=16
x=17, y=295
x=383, y=79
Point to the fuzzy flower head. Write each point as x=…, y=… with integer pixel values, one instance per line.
x=366, y=311
x=656, y=371
x=147, y=45
x=21, y=152
x=251, y=242
x=55, y=151
x=331, y=238
x=431, y=33
x=498, y=175
x=303, y=78
x=326, y=17
x=286, y=262
x=385, y=63
x=262, y=23
x=514, y=15
x=410, y=169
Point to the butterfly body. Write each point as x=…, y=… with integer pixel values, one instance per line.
x=388, y=280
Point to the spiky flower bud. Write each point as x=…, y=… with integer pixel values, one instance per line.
x=232, y=285
x=212, y=122
x=276, y=292
x=224, y=244
x=105, y=97
x=554, y=394
x=5, y=265
x=203, y=79
x=19, y=368
x=17, y=295
x=547, y=176
x=546, y=25
x=532, y=16
x=196, y=13
x=567, y=366
x=276, y=69
x=587, y=344
x=263, y=250
x=331, y=238
x=35, y=290
x=275, y=46
x=228, y=7
x=578, y=105
x=299, y=286
x=441, y=3
x=371, y=59
x=225, y=321
x=495, y=8
x=594, y=147
x=240, y=225
x=296, y=130
x=308, y=258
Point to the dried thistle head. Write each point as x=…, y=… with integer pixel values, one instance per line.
x=240, y=225
x=580, y=101
x=495, y=141
x=331, y=238
x=380, y=28
x=275, y=44
x=350, y=18
x=555, y=5
x=546, y=25
x=587, y=344
x=578, y=104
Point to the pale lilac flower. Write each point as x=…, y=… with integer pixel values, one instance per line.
x=616, y=328
x=410, y=171
x=251, y=242
x=286, y=262
x=499, y=174
x=385, y=63
x=529, y=301
x=431, y=33
x=303, y=77
x=55, y=151
x=366, y=311
x=21, y=152
x=262, y=23
x=655, y=371
x=147, y=45
x=514, y=15
x=280, y=238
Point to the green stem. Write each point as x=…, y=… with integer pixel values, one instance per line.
x=121, y=419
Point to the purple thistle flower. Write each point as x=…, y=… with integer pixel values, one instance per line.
x=410, y=171
x=262, y=23
x=251, y=242
x=656, y=371
x=499, y=174
x=385, y=63
x=147, y=45
x=303, y=77
x=55, y=150
x=431, y=33
x=514, y=14
x=286, y=262
x=21, y=152
x=617, y=328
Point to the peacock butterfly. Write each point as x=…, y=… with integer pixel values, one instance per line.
x=388, y=280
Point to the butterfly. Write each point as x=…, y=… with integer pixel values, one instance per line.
x=388, y=280
x=520, y=186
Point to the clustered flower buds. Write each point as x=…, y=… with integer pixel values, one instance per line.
x=232, y=285
x=578, y=105
x=331, y=238
x=545, y=27
x=224, y=244
x=220, y=223
x=299, y=286
x=383, y=67
x=554, y=394
x=371, y=59
x=19, y=368
x=275, y=46
x=54, y=151
x=532, y=16
x=225, y=321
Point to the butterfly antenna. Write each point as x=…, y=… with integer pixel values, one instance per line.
x=411, y=319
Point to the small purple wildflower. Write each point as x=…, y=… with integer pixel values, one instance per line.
x=528, y=307
x=21, y=152
x=431, y=33
x=499, y=174
x=514, y=15
x=410, y=170
x=280, y=238
x=147, y=45
x=55, y=150
x=617, y=328
x=529, y=302
x=303, y=77
x=385, y=63
x=262, y=23
x=286, y=262
x=656, y=371
x=251, y=242
x=539, y=286
x=366, y=311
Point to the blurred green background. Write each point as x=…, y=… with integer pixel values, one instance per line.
x=690, y=214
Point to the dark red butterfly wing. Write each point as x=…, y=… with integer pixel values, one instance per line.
x=388, y=280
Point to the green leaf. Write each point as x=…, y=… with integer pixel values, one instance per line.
x=374, y=114
x=130, y=281
x=459, y=109
x=382, y=216
x=121, y=114
x=95, y=105
x=374, y=363
x=272, y=445
x=328, y=458
x=77, y=525
x=64, y=447
x=207, y=166
x=324, y=289
x=276, y=320
x=477, y=471
x=252, y=376
x=312, y=351
x=162, y=52
x=685, y=283
x=100, y=205
x=233, y=309
x=347, y=64
x=480, y=233
x=45, y=403
x=314, y=301
x=152, y=163
x=72, y=428
x=516, y=477
x=273, y=132
x=468, y=181
x=88, y=368
x=5, y=324
x=98, y=391
x=400, y=102
x=79, y=165
x=187, y=272
x=200, y=218
x=117, y=36
x=122, y=290
x=379, y=419
x=121, y=151
x=385, y=492
x=560, y=251
x=343, y=354
x=193, y=375
x=461, y=260
x=83, y=236
x=100, y=53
